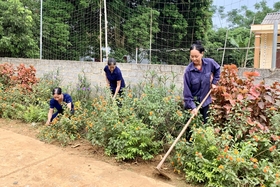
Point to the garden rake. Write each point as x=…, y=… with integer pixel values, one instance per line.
x=158, y=168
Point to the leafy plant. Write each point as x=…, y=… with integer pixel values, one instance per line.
x=36, y=113
x=65, y=127
x=7, y=71
x=26, y=77
x=245, y=100
x=82, y=92
x=216, y=159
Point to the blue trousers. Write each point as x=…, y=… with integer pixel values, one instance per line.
x=61, y=112
x=204, y=112
x=55, y=114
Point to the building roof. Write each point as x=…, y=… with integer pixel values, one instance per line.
x=271, y=17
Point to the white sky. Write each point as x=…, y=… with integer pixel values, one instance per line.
x=235, y=4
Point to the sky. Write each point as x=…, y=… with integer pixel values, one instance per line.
x=235, y=4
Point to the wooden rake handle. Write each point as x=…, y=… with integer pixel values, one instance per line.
x=181, y=133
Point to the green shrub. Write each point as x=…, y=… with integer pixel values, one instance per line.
x=36, y=113
x=65, y=127
x=82, y=91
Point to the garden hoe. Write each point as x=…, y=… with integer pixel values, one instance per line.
x=158, y=168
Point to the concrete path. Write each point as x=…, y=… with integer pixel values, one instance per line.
x=27, y=162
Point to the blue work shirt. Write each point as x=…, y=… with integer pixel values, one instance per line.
x=114, y=77
x=197, y=83
x=55, y=104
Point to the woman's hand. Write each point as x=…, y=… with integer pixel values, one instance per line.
x=194, y=111
x=213, y=86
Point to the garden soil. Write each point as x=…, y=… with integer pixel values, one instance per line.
x=27, y=162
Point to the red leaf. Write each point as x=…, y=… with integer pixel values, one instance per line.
x=232, y=102
x=243, y=91
x=227, y=96
x=228, y=107
x=261, y=105
x=263, y=117
x=275, y=137
x=260, y=126
x=251, y=97
x=249, y=121
x=251, y=74
x=268, y=98
x=239, y=81
x=249, y=109
x=217, y=130
x=254, y=92
x=239, y=97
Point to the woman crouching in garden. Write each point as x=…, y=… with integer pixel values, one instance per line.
x=57, y=102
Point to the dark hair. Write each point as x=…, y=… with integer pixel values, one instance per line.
x=111, y=61
x=198, y=46
x=57, y=90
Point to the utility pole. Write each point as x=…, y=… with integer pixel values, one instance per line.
x=106, y=28
x=151, y=30
x=41, y=28
x=274, y=45
x=224, y=49
x=100, y=31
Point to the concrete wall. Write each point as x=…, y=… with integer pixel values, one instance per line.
x=132, y=73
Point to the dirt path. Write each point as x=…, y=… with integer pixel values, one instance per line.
x=28, y=162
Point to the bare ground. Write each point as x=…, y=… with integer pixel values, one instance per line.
x=73, y=157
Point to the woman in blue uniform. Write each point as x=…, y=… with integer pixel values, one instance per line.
x=114, y=77
x=200, y=76
x=57, y=102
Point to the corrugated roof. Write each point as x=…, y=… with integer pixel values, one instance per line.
x=271, y=17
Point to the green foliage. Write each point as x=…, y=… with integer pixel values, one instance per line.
x=136, y=124
x=238, y=39
x=119, y=54
x=176, y=21
x=71, y=29
x=16, y=25
x=137, y=27
x=240, y=146
x=132, y=138
x=199, y=21
x=23, y=96
x=65, y=127
x=243, y=17
x=158, y=104
x=120, y=131
x=36, y=113
x=56, y=33
x=11, y=103
x=215, y=159
x=82, y=92
x=42, y=90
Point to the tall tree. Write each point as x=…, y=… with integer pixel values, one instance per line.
x=139, y=26
x=84, y=29
x=16, y=36
x=199, y=20
x=244, y=17
x=56, y=30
